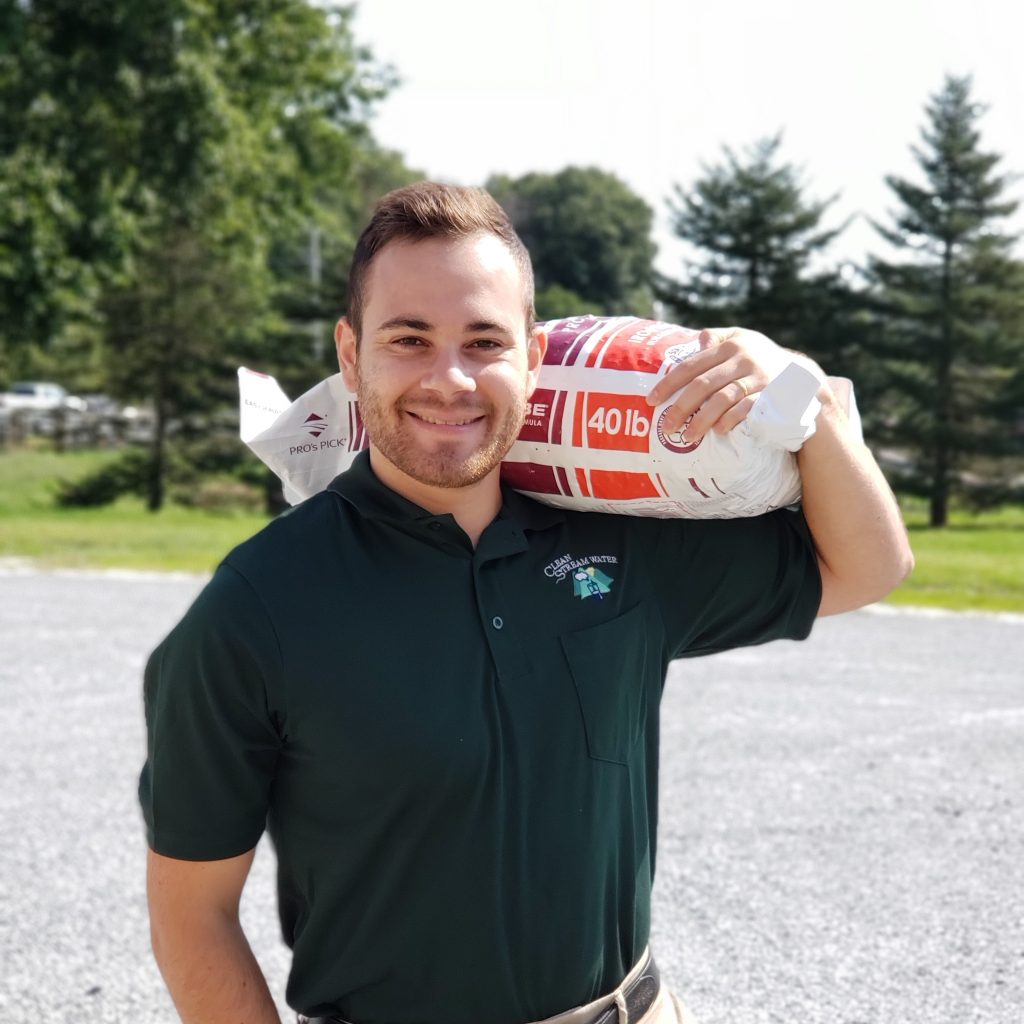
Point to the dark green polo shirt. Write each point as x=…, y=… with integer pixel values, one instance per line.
x=455, y=751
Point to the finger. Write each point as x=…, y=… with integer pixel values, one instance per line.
x=708, y=396
x=735, y=416
x=712, y=336
x=721, y=405
x=694, y=366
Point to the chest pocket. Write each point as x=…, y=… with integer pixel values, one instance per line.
x=609, y=667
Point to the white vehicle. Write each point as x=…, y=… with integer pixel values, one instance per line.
x=39, y=396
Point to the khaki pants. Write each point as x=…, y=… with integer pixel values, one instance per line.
x=667, y=1007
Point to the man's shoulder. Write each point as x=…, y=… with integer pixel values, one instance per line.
x=669, y=536
x=295, y=539
x=577, y=520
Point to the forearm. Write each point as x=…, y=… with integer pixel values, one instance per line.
x=211, y=972
x=862, y=545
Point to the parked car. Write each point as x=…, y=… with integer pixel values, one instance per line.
x=40, y=407
x=39, y=395
x=45, y=409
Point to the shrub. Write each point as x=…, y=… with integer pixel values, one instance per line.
x=219, y=494
x=125, y=475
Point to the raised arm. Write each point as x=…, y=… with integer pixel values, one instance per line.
x=861, y=543
x=198, y=941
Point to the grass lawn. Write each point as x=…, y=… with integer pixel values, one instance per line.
x=122, y=535
x=977, y=562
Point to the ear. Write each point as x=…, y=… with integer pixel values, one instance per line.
x=536, y=346
x=348, y=352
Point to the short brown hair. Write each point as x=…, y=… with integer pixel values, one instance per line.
x=432, y=210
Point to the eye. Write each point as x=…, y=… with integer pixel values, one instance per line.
x=487, y=344
x=408, y=342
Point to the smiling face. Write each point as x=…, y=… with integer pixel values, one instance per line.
x=444, y=366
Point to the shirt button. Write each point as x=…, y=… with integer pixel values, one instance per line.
x=496, y=622
x=435, y=525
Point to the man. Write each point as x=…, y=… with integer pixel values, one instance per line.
x=454, y=752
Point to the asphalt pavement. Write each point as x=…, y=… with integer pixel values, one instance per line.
x=842, y=820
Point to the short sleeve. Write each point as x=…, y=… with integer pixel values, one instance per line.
x=213, y=726
x=724, y=583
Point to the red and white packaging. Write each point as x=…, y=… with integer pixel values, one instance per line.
x=590, y=441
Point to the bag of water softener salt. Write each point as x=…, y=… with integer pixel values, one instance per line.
x=590, y=440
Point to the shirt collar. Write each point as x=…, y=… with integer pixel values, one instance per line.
x=362, y=489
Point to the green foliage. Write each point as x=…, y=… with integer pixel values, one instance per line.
x=219, y=494
x=127, y=474
x=219, y=453
x=211, y=471
x=587, y=233
x=555, y=302
x=949, y=333
x=309, y=262
x=42, y=284
x=153, y=158
x=756, y=237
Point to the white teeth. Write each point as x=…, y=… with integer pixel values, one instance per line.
x=442, y=423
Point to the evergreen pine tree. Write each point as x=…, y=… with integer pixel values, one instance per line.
x=950, y=334
x=756, y=236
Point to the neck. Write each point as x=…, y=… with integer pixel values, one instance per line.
x=473, y=507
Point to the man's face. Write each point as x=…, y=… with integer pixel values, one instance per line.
x=444, y=367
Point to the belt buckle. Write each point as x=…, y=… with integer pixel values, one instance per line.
x=638, y=998
x=642, y=995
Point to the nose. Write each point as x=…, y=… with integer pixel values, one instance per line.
x=448, y=374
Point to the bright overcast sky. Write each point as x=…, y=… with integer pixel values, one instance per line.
x=650, y=89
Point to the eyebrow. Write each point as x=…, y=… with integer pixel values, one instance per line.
x=486, y=327
x=404, y=321
x=415, y=324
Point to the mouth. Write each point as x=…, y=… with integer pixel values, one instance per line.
x=438, y=420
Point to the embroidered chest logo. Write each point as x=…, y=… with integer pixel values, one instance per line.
x=588, y=575
x=591, y=582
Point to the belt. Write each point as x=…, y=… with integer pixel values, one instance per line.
x=638, y=999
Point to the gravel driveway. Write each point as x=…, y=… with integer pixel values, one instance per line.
x=842, y=836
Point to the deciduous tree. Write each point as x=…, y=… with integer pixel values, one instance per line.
x=589, y=236
x=163, y=149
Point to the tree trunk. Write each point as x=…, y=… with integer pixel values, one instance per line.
x=158, y=456
x=167, y=353
x=938, y=508
x=938, y=512
x=59, y=421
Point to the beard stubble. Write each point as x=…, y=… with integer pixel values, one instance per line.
x=443, y=464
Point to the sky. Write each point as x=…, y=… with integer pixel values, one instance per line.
x=651, y=90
